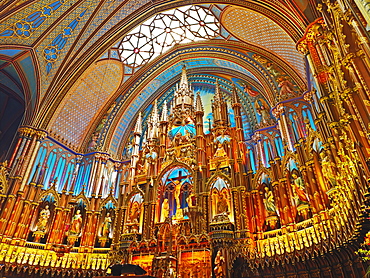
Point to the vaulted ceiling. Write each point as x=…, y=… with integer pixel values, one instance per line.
x=71, y=67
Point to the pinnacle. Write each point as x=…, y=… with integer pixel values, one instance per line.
x=198, y=104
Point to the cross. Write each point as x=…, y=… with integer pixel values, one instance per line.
x=179, y=177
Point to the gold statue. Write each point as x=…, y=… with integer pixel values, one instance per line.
x=327, y=170
x=165, y=212
x=220, y=152
x=219, y=262
x=43, y=219
x=176, y=193
x=106, y=225
x=135, y=213
x=191, y=200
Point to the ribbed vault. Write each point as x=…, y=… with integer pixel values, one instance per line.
x=98, y=29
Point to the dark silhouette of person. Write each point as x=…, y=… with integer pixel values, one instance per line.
x=116, y=269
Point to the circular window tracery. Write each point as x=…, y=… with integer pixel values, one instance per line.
x=164, y=30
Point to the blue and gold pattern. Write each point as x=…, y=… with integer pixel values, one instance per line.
x=52, y=50
x=26, y=26
x=126, y=9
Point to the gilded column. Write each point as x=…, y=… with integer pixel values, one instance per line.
x=95, y=174
x=38, y=136
x=286, y=213
x=120, y=213
x=25, y=134
x=88, y=229
x=250, y=219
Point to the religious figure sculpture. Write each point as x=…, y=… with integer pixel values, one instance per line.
x=269, y=202
x=43, y=219
x=106, y=225
x=248, y=89
x=191, y=200
x=272, y=212
x=264, y=113
x=222, y=205
x=219, y=262
x=220, y=152
x=185, y=139
x=165, y=212
x=327, y=170
x=76, y=224
x=286, y=87
x=176, y=140
x=176, y=193
x=135, y=213
x=128, y=150
x=101, y=125
x=93, y=142
x=298, y=186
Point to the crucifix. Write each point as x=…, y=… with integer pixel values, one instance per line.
x=176, y=189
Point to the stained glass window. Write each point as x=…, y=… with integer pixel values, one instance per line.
x=156, y=35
